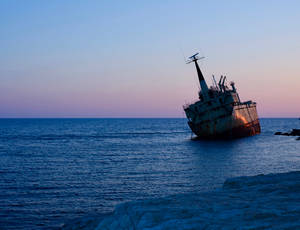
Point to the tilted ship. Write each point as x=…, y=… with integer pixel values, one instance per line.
x=219, y=113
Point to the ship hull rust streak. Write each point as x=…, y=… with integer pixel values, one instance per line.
x=245, y=130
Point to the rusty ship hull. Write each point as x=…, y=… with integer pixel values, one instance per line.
x=219, y=112
x=242, y=122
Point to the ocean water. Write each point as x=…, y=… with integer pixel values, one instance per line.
x=56, y=170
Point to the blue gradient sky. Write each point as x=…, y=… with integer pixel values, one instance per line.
x=125, y=58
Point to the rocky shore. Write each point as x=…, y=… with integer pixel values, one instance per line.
x=294, y=132
x=259, y=202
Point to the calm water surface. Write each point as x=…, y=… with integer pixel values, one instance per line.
x=54, y=170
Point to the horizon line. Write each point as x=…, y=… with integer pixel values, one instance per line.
x=121, y=117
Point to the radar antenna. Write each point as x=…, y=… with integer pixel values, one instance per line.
x=194, y=58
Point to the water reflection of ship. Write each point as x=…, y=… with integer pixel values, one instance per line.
x=219, y=112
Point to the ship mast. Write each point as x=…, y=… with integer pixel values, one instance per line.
x=203, y=85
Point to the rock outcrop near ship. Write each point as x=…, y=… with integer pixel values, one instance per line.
x=294, y=132
x=259, y=202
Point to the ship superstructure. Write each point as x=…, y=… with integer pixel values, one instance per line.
x=219, y=112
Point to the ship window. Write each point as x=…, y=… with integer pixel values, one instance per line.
x=220, y=100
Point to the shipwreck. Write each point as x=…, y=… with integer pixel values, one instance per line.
x=219, y=112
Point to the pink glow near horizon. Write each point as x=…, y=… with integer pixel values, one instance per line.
x=127, y=61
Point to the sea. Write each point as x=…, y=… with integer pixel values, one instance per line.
x=53, y=171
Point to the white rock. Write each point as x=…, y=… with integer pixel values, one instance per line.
x=260, y=202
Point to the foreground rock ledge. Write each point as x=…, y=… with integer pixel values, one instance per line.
x=259, y=202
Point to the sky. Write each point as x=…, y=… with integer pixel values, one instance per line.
x=127, y=58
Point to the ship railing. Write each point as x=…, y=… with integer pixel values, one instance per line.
x=187, y=104
x=247, y=103
x=185, y=107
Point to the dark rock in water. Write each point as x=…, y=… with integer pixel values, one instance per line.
x=295, y=132
x=298, y=139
